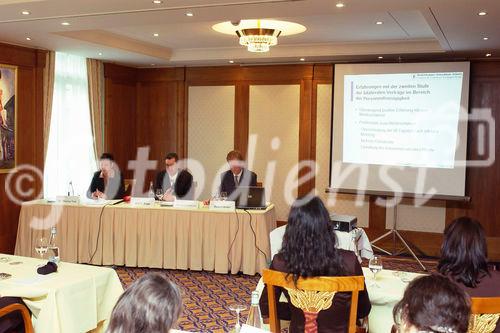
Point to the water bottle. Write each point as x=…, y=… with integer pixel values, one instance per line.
x=53, y=248
x=71, y=190
x=151, y=192
x=254, y=316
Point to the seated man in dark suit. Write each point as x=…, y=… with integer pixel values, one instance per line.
x=236, y=176
x=107, y=183
x=174, y=182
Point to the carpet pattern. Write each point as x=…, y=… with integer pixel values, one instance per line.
x=207, y=295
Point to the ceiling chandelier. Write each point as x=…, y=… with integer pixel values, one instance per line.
x=259, y=35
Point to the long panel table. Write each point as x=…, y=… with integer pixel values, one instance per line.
x=151, y=236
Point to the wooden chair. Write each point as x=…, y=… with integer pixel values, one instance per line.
x=311, y=295
x=259, y=184
x=28, y=328
x=129, y=185
x=485, y=312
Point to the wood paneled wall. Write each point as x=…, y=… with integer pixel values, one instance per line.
x=29, y=139
x=159, y=120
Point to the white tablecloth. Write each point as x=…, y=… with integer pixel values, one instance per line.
x=390, y=290
x=356, y=241
x=78, y=298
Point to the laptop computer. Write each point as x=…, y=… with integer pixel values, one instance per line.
x=251, y=197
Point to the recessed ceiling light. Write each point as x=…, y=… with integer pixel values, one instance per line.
x=153, y=64
x=380, y=57
x=156, y=34
x=189, y=14
x=302, y=59
x=379, y=22
x=231, y=61
x=488, y=54
x=483, y=13
x=100, y=53
x=65, y=23
x=28, y=38
x=157, y=2
x=485, y=38
x=340, y=5
x=25, y=12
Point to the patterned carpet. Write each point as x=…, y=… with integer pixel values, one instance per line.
x=207, y=295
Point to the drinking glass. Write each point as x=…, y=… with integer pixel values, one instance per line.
x=41, y=247
x=375, y=265
x=237, y=308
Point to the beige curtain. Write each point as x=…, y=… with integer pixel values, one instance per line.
x=48, y=92
x=95, y=73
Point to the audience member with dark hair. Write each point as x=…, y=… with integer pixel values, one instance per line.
x=107, y=183
x=432, y=303
x=464, y=259
x=309, y=250
x=237, y=175
x=173, y=181
x=152, y=304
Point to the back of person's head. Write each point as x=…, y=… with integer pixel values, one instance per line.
x=464, y=252
x=433, y=303
x=309, y=243
x=152, y=304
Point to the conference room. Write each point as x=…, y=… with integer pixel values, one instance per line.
x=249, y=166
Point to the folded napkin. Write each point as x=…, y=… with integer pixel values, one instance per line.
x=51, y=267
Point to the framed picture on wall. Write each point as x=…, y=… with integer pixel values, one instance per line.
x=8, y=114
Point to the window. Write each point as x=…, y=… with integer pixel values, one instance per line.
x=70, y=153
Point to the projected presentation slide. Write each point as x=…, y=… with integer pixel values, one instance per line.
x=407, y=119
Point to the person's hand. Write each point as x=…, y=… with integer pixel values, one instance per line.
x=206, y=202
x=95, y=195
x=168, y=196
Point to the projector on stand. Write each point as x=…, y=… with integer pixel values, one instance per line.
x=344, y=223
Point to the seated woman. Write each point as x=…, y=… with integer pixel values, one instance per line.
x=464, y=259
x=107, y=183
x=152, y=304
x=432, y=304
x=309, y=250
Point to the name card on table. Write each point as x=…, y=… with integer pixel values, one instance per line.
x=186, y=204
x=222, y=205
x=68, y=199
x=142, y=201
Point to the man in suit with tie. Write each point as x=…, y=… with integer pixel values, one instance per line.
x=236, y=176
x=174, y=182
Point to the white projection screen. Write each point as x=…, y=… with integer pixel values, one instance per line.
x=400, y=129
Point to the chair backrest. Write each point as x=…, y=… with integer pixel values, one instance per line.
x=311, y=295
x=276, y=239
x=485, y=312
x=258, y=184
x=28, y=328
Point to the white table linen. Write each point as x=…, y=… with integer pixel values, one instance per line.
x=77, y=298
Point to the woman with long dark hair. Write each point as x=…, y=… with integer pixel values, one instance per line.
x=309, y=250
x=464, y=259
